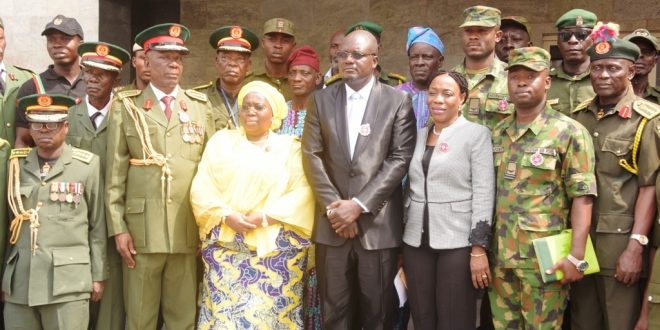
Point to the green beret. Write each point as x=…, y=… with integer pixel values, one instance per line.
x=481, y=16
x=613, y=48
x=533, y=58
x=164, y=37
x=643, y=34
x=46, y=108
x=279, y=25
x=371, y=27
x=577, y=18
x=234, y=38
x=103, y=55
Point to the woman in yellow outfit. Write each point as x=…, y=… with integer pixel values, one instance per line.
x=254, y=209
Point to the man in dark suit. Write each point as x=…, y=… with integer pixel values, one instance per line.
x=358, y=140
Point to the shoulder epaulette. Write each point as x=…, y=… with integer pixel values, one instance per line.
x=397, y=76
x=19, y=153
x=128, y=93
x=210, y=83
x=583, y=105
x=82, y=155
x=197, y=95
x=646, y=108
x=333, y=79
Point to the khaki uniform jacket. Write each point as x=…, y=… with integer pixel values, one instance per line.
x=83, y=135
x=15, y=78
x=221, y=115
x=5, y=148
x=281, y=84
x=71, y=239
x=613, y=136
x=136, y=198
x=568, y=91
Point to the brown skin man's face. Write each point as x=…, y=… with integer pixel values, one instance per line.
x=49, y=139
x=138, y=63
x=165, y=67
x=423, y=60
x=303, y=79
x=527, y=88
x=513, y=37
x=479, y=42
x=574, y=49
x=99, y=82
x=62, y=48
x=647, y=59
x=277, y=47
x=610, y=78
x=232, y=66
x=357, y=71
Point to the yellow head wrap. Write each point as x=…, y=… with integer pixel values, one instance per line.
x=273, y=97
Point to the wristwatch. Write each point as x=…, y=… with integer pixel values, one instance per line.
x=642, y=239
x=581, y=265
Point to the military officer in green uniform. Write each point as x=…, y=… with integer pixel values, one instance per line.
x=234, y=46
x=11, y=79
x=155, y=140
x=624, y=128
x=545, y=182
x=102, y=62
x=570, y=80
x=56, y=261
x=648, y=46
x=487, y=102
x=278, y=41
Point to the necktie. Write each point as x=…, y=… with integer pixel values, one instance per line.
x=168, y=106
x=2, y=82
x=93, y=118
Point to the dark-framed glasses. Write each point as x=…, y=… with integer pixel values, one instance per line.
x=48, y=126
x=342, y=55
x=580, y=35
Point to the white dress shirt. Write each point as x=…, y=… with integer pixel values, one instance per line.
x=3, y=72
x=160, y=94
x=91, y=110
x=356, y=104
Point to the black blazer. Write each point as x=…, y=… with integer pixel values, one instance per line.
x=380, y=161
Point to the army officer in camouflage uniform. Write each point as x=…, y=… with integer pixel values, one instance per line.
x=626, y=138
x=545, y=171
x=155, y=140
x=102, y=62
x=56, y=261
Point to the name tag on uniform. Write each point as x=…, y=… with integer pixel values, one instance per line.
x=473, y=106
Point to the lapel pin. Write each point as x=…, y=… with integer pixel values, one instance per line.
x=365, y=130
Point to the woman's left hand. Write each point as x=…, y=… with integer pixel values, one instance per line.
x=479, y=268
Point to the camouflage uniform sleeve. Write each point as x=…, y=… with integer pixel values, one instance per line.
x=648, y=158
x=97, y=227
x=579, y=162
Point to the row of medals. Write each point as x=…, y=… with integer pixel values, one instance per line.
x=191, y=132
x=69, y=192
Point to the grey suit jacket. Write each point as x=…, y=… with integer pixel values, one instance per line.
x=460, y=188
x=373, y=176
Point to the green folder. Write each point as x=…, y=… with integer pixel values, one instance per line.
x=549, y=250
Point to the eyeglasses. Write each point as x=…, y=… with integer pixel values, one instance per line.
x=49, y=126
x=342, y=55
x=256, y=107
x=580, y=35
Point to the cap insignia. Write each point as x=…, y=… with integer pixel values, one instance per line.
x=44, y=100
x=102, y=50
x=579, y=21
x=175, y=31
x=57, y=21
x=236, y=32
x=280, y=24
x=603, y=47
x=641, y=33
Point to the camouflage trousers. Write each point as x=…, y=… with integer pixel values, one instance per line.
x=520, y=300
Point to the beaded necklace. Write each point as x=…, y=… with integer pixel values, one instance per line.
x=294, y=122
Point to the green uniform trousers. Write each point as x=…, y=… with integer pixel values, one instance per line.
x=59, y=316
x=601, y=302
x=109, y=313
x=520, y=300
x=161, y=281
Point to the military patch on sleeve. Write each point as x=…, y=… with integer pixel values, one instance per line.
x=333, y=79
x=19, y=153
x=197, y=95
x=203, y=86
x=583, y=105
x=129, y=93
x=645, y=108
x=397, y=76
x=82, y=155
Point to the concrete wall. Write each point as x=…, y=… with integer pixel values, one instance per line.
x=25, y=20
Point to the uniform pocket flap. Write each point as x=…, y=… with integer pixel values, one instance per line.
x=135, y=205
x=74, y=140
x=70, y=256
x=26, y=191
x=614, y=223
x=540, y=222
x=462, y=206
x=617, y=146
x=543, y=158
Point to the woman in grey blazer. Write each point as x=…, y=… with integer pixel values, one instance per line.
x=449, y=207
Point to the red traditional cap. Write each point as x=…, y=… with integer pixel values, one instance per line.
x=305, y=55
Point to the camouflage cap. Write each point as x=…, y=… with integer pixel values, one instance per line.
x=613, y=48
x=371, y=27
x=46, y=108
x=533, y=58
x=518, y=21
x=481, y=16
x=279, y=25
x=643, y=34
x=577, y=18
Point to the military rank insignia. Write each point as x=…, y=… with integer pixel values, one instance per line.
x=69, y=192
x=192, y=132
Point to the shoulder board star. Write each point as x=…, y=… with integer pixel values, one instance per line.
x=397, y=76
x=82, y=155
x=197, y=95
x=648, y=110
x=333, y=79
x=583, y=105
x=128, y=93
x=19, y=153
x=210, y=83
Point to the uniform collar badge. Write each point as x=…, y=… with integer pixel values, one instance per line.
x=148, y=104
x=625, y=112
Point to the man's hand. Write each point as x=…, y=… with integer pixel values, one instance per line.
x=350, y=231
x=629, y=265
x=239, y=224
x=97, y=290
x=571, y=274
x=342, y=213
x=124, y=243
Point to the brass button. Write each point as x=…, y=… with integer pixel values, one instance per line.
x=71, y=258
x=39, y=204
x=168, y=134
x=43, y=183
x=8, y=124
x=169, y=155
x=650, y=298
x=169, y=200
